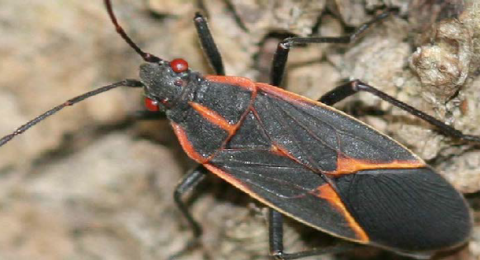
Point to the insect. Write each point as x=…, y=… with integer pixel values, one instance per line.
x=302, y=158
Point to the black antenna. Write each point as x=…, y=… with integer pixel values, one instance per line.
x=148, y=57
x=124, y=83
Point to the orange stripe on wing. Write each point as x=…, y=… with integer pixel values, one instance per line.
x=213, y=117
x=346, y=165
x=235, y=81
x=280, y=151
x=321, y=192
x=186, y=145
x=287, y=95
x=327, y=193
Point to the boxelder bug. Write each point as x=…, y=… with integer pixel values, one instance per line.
x=302, y=158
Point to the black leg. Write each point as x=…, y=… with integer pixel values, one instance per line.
x=355, y=86
x=208, y=44
x=185, y=185
x=281, y=55
x=276, y=241
x=188, y=182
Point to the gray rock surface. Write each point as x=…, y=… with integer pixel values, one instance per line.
x=91, y=183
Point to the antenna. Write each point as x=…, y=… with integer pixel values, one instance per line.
x=124, y=83
x=148, y=57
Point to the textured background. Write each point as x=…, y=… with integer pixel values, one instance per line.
x=92, y=183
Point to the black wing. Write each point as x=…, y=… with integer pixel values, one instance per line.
x=288, y=147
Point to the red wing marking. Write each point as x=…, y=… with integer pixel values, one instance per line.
x=186, y=145
x=287, y=95
x=347, y=165
x=281, y=151
x=278, y=150
x=327, y=193
x=213, y=117
x=236, y=81
x=324, y=192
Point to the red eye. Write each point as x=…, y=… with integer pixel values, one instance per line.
x=179, y=65
x=151, y=105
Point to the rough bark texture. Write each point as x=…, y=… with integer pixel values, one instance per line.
x=91, y=183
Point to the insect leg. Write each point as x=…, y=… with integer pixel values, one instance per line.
x=355, y=86
x=208, y=44
x=186, y=184
x=281, y=54
x=276, y=241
